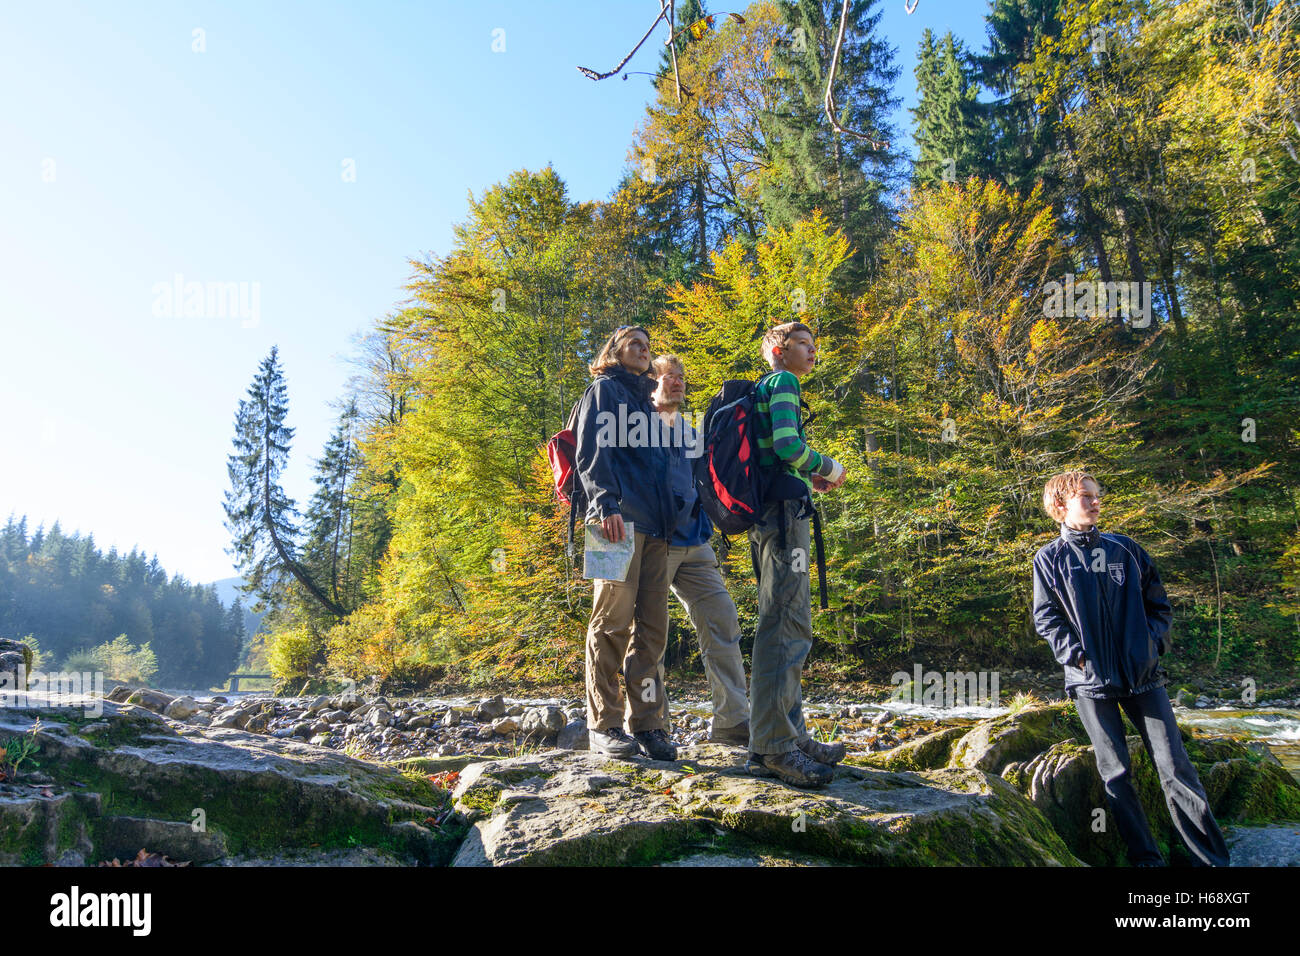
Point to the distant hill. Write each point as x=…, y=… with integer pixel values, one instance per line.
x=227, y=591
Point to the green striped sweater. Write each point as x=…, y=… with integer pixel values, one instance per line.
x=776, y=399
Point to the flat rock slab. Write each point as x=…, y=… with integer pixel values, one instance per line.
x=567, y=807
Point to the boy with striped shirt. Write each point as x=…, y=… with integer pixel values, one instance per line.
x=779, y=743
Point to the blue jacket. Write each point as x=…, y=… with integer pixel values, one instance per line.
x=620, y=478
x=1101, y=594
x=693, y=525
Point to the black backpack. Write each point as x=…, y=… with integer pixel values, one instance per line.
x=731, y=483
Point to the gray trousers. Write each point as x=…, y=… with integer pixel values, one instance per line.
x=1188, y=806
x=696, y=580
x=783, y=635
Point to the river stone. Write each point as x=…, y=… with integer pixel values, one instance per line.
x=153, y=700
x=991, y=745
x=257, y=723
x=181, y=708
x=542, y=722
x=451, y=718
x=490, y=708
x=566, y=807
x=1185, y=698
x=123, y=837
x=262, y=794
x=379, y=717
x=505, y=726
x=15, y=659
x=120, y=693
x=573, y=736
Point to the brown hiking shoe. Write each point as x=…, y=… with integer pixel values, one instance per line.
x=737, y=736
x=829, y=754
x=795, y=768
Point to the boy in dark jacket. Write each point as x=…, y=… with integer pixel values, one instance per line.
x=1099, y=603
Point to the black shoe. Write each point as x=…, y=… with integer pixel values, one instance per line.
x=737, y=736
x=829, y=754
x=656, y=745
x=795, y=768
x=612, y=743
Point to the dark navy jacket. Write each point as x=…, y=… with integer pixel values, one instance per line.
x=621, y=479
x=1100, y=593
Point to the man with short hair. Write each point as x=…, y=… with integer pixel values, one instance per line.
x=693, y=572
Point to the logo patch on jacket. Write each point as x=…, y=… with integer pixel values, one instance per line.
x=1116, y=573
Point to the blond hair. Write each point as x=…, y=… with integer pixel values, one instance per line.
x=662, y=362
x=778, y=335
x=607, y=357
x=1060, y=488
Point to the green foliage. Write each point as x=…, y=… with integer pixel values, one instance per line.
x=295, y=654
x=121, y=660
x=15, y=751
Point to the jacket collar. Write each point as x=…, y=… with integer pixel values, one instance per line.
x=1081, y=539
x=642, y=386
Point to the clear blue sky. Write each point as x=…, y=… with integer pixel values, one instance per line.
x=129, y=158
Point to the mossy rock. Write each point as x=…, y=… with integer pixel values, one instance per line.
x=578, y=808
x=1242, y=786
x=931, y=752
x=1251, y=791
x=992, y=745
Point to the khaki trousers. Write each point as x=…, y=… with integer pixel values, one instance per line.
x=696, y=581
x=629, y=630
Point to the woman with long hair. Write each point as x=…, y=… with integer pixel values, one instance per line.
x=625, y=476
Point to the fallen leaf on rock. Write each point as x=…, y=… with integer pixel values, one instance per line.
x=145, y=858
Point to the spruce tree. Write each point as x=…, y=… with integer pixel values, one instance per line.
x=327, y=554
x=259, y=514
x=952, y=136
x=813, y=166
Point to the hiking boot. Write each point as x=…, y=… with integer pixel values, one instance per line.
x=737, y=736
x=612, y=743
x=795, y=768
x=829, y=754
x=656, y=744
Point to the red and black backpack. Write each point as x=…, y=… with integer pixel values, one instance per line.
x=730, y=482
x=562, y=450
x=732, y=485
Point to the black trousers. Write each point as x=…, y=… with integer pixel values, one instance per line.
x=1189, y=808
